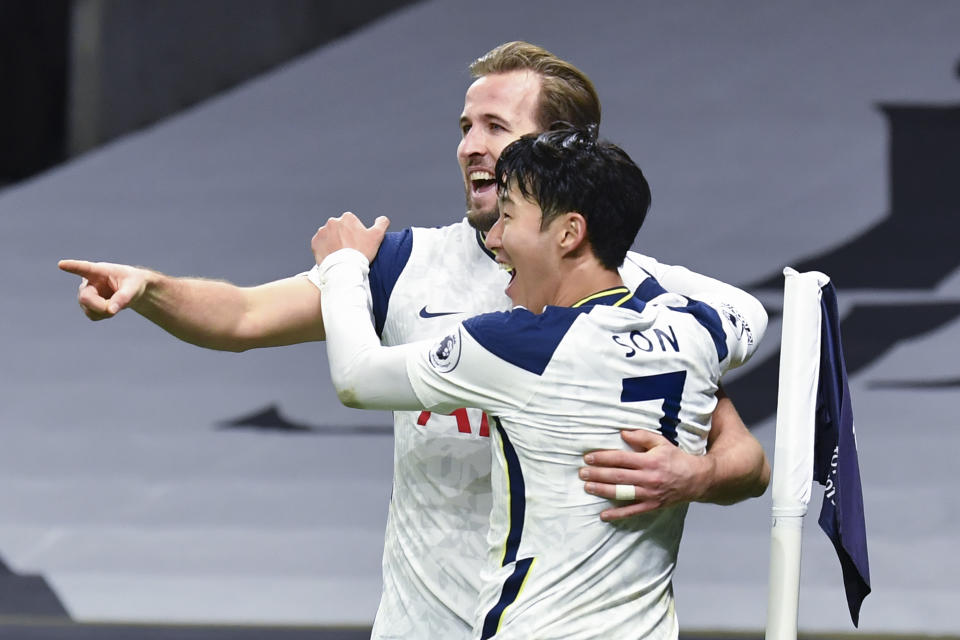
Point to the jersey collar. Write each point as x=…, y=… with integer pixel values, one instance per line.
x=481, y=237
x=614, y=297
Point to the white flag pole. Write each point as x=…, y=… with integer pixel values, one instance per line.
x=793, y=448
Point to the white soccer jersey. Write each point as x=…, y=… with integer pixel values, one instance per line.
x=560, y=384
x=423, y=282
x=439, y=510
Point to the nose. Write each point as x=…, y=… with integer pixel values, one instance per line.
x=471, y=144
x=495, y=235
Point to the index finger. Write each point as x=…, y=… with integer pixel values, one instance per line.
x=618, y=513
x=77, y=267
x=613, y=458
x=643, y=439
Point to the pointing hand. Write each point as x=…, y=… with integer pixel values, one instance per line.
x=106, y=288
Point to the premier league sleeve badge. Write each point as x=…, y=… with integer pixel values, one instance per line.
x=445, y=354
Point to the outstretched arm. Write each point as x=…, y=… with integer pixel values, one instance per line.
x=735, y=467
x=208, y=313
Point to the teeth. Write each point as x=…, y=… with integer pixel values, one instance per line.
x=506, y=267
x=481, y=175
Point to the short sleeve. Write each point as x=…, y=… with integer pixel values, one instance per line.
x=392, y=257
x=386, y=269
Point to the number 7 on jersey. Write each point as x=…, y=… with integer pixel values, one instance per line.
x=665, y=386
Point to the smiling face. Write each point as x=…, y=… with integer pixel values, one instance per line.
x=531, y=254
x=498, y=109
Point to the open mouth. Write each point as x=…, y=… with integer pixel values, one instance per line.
x=481, y=181
x=510, y=270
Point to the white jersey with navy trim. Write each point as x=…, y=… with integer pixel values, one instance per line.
x=440, y=506
x=560, y=384
x=423, y=282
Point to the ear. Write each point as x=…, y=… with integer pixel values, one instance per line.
x=572, y=230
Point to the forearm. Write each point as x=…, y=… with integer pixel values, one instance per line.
x=219, y=315
x=365, y=374
x=735, y=467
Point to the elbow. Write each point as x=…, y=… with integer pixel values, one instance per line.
x=215, y=343
x=234, y=347
x=763, y=478
x=757, y=479
x=348, y=385
x=241, y=344
x=348, y=398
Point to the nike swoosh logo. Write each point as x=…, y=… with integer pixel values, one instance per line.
x=428, y=314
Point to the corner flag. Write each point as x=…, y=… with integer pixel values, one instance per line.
x=835, y=463
x=814, y=439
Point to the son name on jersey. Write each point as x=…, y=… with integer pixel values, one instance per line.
x=638, y=340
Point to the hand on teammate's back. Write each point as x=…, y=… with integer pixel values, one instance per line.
x=662, y=474
x=348, y=232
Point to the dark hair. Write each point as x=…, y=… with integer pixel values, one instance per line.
x=568, y=169
x=566, y=93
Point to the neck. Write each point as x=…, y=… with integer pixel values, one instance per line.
x=584, y=278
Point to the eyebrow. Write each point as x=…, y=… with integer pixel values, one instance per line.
x=486, y=117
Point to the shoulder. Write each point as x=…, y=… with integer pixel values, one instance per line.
x=638, y=263
x=396, y=250
x=393, y=254
x=706, y=316
x=639, y=275
x=453, y=245
x=447, y=233
x=520, y=337
x=397, y=245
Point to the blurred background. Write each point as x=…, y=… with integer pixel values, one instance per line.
x=148, y=482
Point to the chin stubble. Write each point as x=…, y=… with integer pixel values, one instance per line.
x=482, y=220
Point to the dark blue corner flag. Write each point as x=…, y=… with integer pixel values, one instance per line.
x=835, y=463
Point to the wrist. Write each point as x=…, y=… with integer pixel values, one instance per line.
x=152, y=286
x=705, y=478
x=343, y=266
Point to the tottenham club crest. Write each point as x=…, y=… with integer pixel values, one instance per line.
x=445, y=355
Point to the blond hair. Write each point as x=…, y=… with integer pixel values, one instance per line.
x=566, y=93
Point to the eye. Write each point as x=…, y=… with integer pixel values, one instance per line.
x=496, y=127
x=464, y=128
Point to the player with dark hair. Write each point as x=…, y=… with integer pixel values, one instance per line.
x=578, y=359
x=546, y=172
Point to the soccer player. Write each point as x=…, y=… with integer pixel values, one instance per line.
x=579, y=358
x=423, y=281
